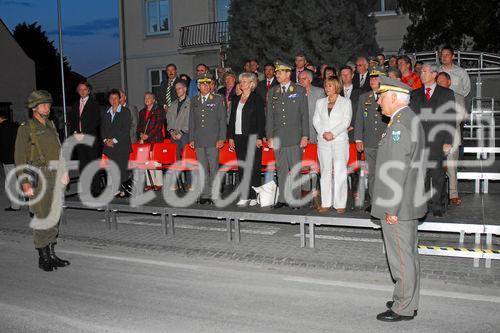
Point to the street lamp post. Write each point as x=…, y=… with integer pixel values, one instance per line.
x=61, y=56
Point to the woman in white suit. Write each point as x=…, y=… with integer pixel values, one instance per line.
x=331, y=120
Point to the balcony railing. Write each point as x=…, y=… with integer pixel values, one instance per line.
x=205, y=34
x=473, y=62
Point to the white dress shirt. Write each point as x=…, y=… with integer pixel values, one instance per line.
x=337, y=121
x=239, y=116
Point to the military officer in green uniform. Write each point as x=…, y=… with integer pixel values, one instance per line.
x=207, y=132
x=287, y=127
x=37, y=143
x=399, y=196
x=369, y=126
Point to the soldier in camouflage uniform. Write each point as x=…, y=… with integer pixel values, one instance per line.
x=37, y=143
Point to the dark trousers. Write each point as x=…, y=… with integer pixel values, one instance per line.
x=180, y=148
x=435, y=176
x=241, y=145
x=85, y=155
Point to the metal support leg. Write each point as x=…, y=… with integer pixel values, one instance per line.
x=229, y=230
x=164, y=223
x=237, y=235
x=477, y=186
x=64, y=220
x=302, y=234
x=171, y=224
x=114, y=219
x=489, y=242
x=485, y=185
x=478, y=245
x=462, y=238
x=311, y=235
x=107, y=218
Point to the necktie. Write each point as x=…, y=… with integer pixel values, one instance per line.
x=268, y=84
x=203, y=100
x=283, y=90
x=82, y=105
x=362, y=81
x=428, y=94
x=168, y=96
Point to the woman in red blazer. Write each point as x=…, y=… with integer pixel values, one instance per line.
x=150, y=130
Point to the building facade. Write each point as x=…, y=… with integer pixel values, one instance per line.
x=155, y=33
x=18, y=77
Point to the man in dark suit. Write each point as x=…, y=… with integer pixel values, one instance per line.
x=300, y=65
x=268, y=83
x=435, y=106
x=85, y=119
x=167, y=94
x=361, y=79
x=115, y=131
x=8, y=133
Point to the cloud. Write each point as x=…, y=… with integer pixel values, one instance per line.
x=16, y=3
x=91, y=28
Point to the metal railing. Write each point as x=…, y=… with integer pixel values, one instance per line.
x=205, y=34
x=473, y=62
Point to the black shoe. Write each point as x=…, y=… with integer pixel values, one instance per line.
x=389, y=304
x=391, y=316
x=295, y=208
x=368, y=209
x=10, y=209
x=437, y=213
x=44, y=261
x=56, y=261
x=280, y=205
x=202, y=201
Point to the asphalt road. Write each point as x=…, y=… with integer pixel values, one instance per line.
x=116, y=289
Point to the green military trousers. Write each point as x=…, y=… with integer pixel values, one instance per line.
x=401, y=245
x=41, y=209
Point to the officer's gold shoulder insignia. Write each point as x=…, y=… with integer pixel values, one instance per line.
x=211, y=96
x=291, y=88
x=22, y=124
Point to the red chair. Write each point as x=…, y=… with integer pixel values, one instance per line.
x=310, y=161
x=140, y=155
x=268, y=159
x=164, y=155
x=228, y=162
x=188, y=160
x=167, y=141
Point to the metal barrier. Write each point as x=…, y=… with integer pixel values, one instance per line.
x=205, y=34
x=233, y=219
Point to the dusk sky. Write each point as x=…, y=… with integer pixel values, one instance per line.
x=90, y=28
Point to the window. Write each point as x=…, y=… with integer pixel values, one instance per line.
x=386, y=7
x=156, y=76
x=222, y=8
x=158, y=16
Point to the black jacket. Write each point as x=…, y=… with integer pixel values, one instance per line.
x=354, y=97
x=8, y=133
x=253, y=119
x=90, y=118
x=439, y=97
x=261, y=89
x=366, y=85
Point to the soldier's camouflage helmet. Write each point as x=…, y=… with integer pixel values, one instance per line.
x=38, y=97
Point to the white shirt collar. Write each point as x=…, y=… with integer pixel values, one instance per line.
x=84, y=100
x=285, y=85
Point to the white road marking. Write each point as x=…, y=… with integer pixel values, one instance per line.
x=20, y=312
x=267, y=231
x=133, y=260
x=345, y=238
x=367, y=286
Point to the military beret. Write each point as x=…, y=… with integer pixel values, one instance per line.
x=38, y=97
x=204, y=78
x=377, y=71
x=388, y=84
x=281, y=66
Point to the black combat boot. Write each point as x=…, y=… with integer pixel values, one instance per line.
x=56, y=261
x=44, y=261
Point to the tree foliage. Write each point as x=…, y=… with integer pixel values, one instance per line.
x=325, y=31
x=33, y=40
x=465, y=25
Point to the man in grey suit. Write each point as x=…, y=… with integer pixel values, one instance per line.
x=287, y=127
x=207, y=132
x=178, y=121
x=134, y=116
x=313, y=93
x=398, y=201
x=368, y=128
